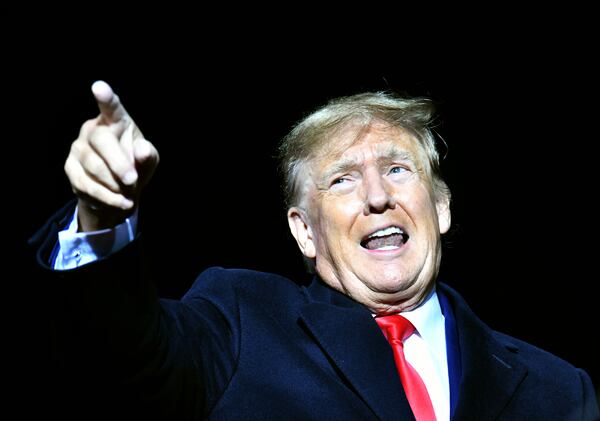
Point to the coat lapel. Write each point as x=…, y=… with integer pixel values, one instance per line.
x=491, y=370
x=347, y=333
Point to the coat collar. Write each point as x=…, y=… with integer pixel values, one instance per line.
x=491, y=369
x=347, y=333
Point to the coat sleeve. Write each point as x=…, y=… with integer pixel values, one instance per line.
x=165, y=358
x=591, y=411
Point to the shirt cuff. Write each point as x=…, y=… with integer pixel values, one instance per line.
x=80, y=248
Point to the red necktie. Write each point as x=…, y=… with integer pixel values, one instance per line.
x=396, y=329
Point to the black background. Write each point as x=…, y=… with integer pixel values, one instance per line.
x=519, y=119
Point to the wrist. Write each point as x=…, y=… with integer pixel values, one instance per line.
x=92, y=217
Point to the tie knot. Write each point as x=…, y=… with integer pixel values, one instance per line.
x=395, y=327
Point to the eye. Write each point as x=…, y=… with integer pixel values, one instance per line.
x=397, y=170
x=343, y=184
x=339, y=180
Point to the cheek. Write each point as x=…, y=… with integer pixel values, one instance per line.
x=421, y=209
x=335, y=219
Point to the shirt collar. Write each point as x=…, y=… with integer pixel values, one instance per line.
x=428, y=320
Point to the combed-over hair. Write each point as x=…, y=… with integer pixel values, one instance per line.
x=309, y=136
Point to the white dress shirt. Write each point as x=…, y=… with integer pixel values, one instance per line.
x=425, y=350
x=78, y=248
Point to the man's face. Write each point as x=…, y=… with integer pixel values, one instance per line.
x=370, y=218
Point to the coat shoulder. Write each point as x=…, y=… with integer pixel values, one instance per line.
x=535, y=358
x=550, y=376
x=220, y=284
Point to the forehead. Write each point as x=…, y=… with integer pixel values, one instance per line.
x=357, y=142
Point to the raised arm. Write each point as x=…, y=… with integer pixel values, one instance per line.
x=109, y=163
x=173, y=358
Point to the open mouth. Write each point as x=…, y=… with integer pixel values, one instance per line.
x=389, y=238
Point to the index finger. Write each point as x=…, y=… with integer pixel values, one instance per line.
x=110, y=106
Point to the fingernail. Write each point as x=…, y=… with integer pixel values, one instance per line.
x=130, y=177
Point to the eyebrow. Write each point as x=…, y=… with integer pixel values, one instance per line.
x=383, y=155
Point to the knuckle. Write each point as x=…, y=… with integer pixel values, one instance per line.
x=87, y=126
x=92, y=165
x=78, y=184
x=98, y=135
x=95, y=138
x=67, y=166
x=71, y=171
x=76, y=147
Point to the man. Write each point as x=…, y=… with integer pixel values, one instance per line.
x=367, y=206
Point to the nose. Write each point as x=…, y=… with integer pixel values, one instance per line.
x=378, y=197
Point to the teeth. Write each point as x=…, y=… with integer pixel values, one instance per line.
x=386, y=231
x=388, y=248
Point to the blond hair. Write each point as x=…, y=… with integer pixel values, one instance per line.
x=309, y=136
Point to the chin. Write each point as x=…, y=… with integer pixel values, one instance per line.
x=389, y=284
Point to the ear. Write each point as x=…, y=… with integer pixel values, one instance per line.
x=301, y=231
x=443, y=212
